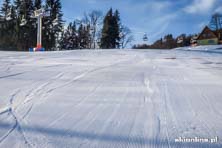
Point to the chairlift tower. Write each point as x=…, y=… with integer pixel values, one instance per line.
x=39, y=14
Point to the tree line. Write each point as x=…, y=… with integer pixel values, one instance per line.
x=96, y=31
x=18, y=28
x=169, y=42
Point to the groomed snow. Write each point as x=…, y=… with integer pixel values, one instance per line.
x=110, y=98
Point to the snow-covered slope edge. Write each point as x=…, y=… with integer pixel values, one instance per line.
x=207, y=48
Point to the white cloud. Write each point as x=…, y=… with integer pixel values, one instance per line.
x=157, y=28
x=91, y=1
x=156, y=17
x=162, y=23
x=159, y=6
x=219, y=9
x=200, y=6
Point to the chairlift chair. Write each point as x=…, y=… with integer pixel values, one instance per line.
x=8, y=16
x=23, y=21
x=33, y=16
x=55, y=21
x=145, y=38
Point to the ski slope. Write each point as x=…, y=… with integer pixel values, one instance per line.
x=110, y=98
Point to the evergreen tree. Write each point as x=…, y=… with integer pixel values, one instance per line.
x=5, y=15
x=84, y=36
x=106, y=31
x=5, y=9
x=12, y=27
x=37, y=4
x=74, y=36
x=88, y=39
x=7, y=29
x=21, y=30
x=76, y=39
x=62, y=41
x=18, y=16
x=111, y=30
x=169, y=42
x=65, y=38
x=69, y=38
x=116, y=29
x=80, y=36
x=26, y=25
x=53, y=24
x=17, y=4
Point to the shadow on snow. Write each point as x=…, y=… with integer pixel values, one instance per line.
x=127, y=140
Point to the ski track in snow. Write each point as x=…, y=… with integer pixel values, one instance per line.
x=16, y=125
x=133, y=98
x=12, y=75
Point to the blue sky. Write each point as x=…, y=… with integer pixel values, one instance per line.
x=155, y=17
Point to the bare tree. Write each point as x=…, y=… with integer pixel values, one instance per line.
x=94, y=19
x=216, y=22
x=126, y=36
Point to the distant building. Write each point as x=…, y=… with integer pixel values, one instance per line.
x=209, y=37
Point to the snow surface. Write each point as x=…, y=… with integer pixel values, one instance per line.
x=110, y=98
x=209, y=48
